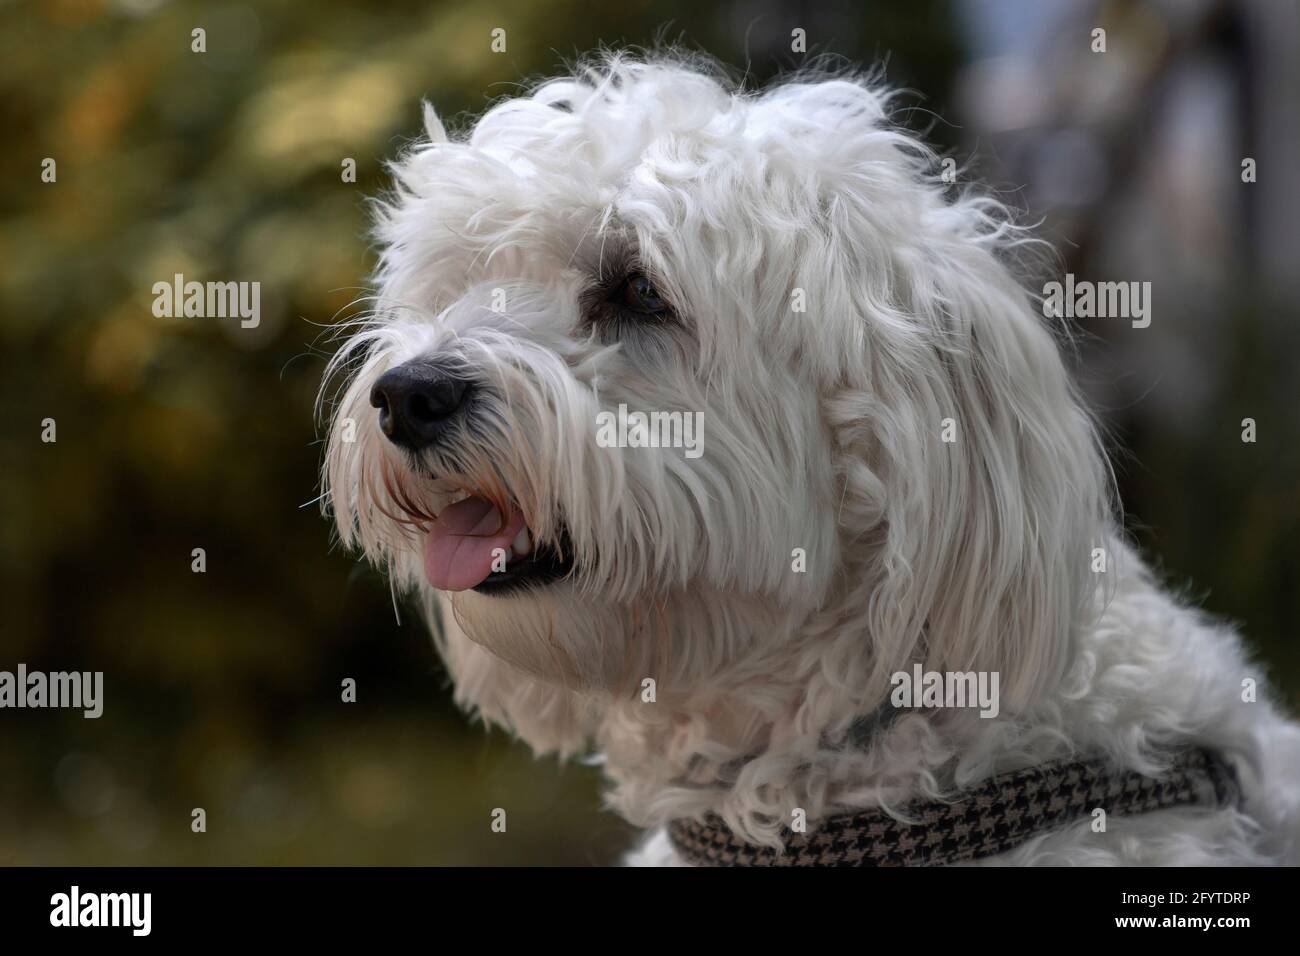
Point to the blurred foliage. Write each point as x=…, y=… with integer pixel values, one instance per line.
x=223, y=688
x=1220, y=518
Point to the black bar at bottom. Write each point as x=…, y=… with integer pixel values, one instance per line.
x=567, y=907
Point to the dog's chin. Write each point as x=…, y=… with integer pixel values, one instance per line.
x=541, y=569
x=566, y=634
x=545, y=628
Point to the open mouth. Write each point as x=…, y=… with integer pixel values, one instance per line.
x=472, y=546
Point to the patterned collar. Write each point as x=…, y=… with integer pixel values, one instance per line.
x=990, y=818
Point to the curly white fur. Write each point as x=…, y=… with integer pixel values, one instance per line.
x=823, y=434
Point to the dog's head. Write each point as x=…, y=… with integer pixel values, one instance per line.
x=878, y=456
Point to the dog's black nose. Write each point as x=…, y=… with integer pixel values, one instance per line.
x=416, y=401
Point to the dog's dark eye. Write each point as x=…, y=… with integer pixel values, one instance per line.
x=636, y=293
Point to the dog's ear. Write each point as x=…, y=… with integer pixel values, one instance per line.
x=975, y=485
x=992, y=487
x=433, y=127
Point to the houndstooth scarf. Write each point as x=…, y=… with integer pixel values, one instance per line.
x=995, y=816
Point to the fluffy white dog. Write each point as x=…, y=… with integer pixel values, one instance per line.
x=895, y=477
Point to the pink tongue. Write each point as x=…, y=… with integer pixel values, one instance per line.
x=458, y=550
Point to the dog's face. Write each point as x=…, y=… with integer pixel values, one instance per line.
x=765, y=275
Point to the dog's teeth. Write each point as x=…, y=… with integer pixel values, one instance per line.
x=522, y=543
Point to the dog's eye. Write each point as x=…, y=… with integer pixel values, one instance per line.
x=636, y=293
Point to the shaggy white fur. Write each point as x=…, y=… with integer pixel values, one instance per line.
x=823, y=443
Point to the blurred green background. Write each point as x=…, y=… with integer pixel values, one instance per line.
x=223, y=688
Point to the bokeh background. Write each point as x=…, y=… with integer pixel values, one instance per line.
x=223, y=688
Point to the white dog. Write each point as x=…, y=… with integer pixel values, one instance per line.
x=894, y=479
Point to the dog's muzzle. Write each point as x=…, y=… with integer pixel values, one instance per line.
x=419, y=402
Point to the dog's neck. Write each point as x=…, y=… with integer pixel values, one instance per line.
x=766, y=747
x=796, y=736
